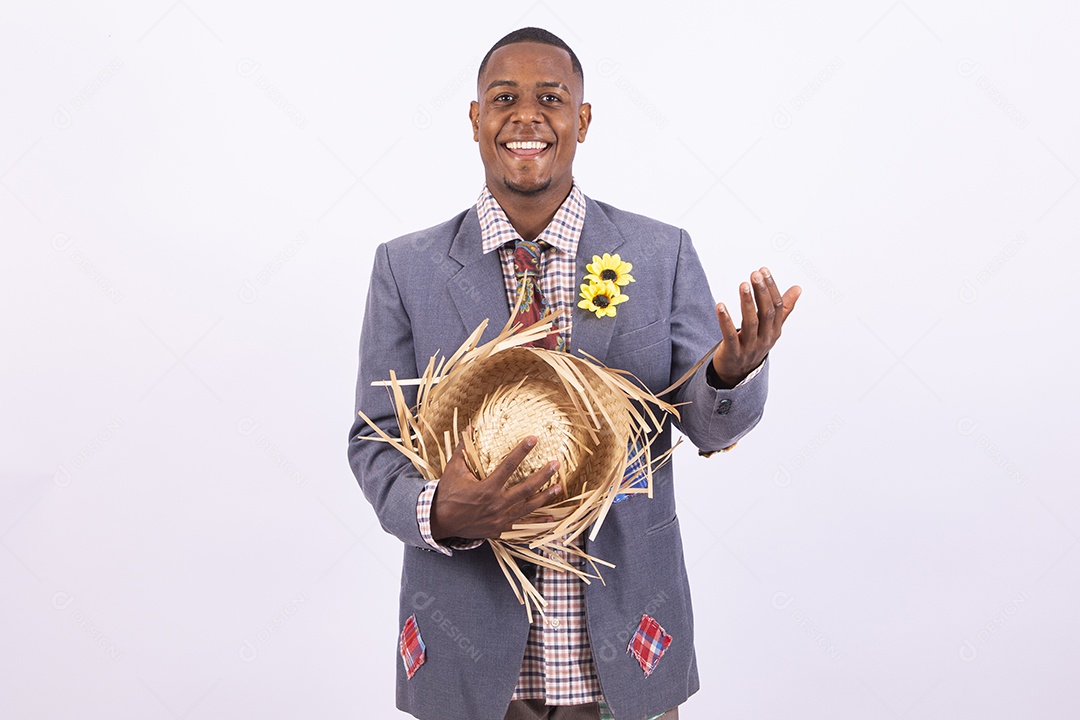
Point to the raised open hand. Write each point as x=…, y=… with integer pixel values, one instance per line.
x=763, y=316
x=471, y=508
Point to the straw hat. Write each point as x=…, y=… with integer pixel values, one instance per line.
x=594, y=420
x=524, y=391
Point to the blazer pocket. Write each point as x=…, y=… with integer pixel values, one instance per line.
x=663, y=527
x=638, y=339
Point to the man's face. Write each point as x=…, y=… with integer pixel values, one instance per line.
x=529, y=119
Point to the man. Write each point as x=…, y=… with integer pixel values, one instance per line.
x=622, y=649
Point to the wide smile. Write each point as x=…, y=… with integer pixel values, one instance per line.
x=527, y=149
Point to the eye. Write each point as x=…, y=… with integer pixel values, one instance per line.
x=503, y=97
x=551, y=98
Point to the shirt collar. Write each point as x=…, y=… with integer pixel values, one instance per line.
x=562, y=233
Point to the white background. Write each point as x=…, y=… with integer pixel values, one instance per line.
x=190, y=198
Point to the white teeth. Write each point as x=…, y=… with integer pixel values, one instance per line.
x=530, y=145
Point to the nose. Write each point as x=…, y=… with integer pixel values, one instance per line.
x=528, y=110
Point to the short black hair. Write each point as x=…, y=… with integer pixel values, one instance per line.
x=535, y=35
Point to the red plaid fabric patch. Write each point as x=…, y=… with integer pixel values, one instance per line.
x=648, y=644
x=413, y=652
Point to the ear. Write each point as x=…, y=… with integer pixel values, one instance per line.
x=474, y=120
x=584, y=118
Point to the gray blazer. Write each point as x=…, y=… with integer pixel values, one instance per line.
x=428, y=291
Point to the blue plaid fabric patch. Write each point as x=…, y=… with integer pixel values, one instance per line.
x=636, y=469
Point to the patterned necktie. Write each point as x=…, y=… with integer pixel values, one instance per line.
x=530, y=302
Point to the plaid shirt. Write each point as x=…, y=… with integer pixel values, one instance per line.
x=558, y=664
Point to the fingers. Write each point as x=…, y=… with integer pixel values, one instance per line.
x=762, y=306
x=526, y=497
x=770, y=285
x=509, y=464
x=766, y=310
x=727, y=325
x=534, y=499
x=749, y=312
x=776, y=300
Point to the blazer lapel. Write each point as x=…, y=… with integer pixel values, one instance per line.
x=478, y=289
x=598, y=236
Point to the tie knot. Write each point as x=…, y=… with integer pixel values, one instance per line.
x=527, y=255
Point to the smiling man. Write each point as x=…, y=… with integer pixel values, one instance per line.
x=624, y=648
x=528, y=121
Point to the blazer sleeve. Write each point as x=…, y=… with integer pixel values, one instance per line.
x=389, y=481
x=714, y=419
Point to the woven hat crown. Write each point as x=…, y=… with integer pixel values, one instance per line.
x=516, y=393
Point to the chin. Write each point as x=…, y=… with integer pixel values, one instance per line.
x=533, y=189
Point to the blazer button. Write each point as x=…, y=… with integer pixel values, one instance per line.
x=723, y=407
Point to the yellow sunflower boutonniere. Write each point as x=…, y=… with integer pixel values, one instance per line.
x=610, y=267
x=602, y=291
x=601, y=298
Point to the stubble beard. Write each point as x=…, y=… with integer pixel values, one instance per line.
x=526, y=191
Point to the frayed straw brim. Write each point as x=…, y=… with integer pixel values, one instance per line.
x=594, y=420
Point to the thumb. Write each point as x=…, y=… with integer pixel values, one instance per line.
x=790, y=298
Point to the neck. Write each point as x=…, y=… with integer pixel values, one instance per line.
x=529, y=214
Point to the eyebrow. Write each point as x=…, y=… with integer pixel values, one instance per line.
x=545, y=84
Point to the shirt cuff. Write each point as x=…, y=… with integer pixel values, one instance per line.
x=423, y=519
x=713, y=379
